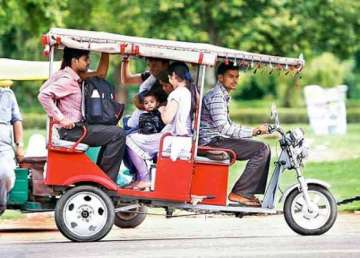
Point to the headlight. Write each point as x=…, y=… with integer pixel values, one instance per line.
x=296, y=136
x=305, y=149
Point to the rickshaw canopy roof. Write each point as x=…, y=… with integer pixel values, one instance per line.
x=200, y=53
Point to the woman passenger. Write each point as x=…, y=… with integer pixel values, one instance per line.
x=176, y=116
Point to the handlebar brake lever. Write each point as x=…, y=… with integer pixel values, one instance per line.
x=271, y=129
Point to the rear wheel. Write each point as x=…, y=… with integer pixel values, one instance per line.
x=314, y=221
x=84, y=213
x=131, y=218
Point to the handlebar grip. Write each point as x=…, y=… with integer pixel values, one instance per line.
x=271, y=129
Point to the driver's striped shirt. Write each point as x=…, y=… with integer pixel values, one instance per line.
x=215, y=119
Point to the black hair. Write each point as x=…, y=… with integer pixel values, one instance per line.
x=152, y=94
x=181, y=70
x=163, y=76
x=223, y=68
x=70, y=53
x=164, y=61
x=147, y=93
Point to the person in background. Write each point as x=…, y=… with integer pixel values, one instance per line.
x=11, y=133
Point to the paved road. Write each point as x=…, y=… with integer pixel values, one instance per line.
x=218, y=236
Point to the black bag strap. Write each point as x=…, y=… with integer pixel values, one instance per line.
x=83, y=99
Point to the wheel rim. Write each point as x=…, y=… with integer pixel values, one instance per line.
x=313, y=218
x=85, y=214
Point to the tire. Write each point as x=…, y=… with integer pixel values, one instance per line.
x=307, y=223
x=130, y=220
x=84, y=214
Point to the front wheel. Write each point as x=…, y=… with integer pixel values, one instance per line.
x=315, y=221
x=84, y=213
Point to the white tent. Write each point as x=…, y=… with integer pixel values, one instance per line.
x=11, y=69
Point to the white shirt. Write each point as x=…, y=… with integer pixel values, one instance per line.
x=181, y=124
x=147, y=84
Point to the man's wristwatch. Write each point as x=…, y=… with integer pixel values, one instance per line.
x=19, y=144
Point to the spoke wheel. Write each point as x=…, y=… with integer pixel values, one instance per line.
x=84, y=213
x=314, y=220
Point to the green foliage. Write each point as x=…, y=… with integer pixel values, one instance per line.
x=273, y=27
x=11, y=215
x=325, y=70
x=34, y=120
x=262, y=115
x=26, y=94
x=353, y=78
x=287, y=115
x=256, y=86
x=23, y=22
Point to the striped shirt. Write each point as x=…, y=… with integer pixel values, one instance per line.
x=215, y=119
x=61, y=95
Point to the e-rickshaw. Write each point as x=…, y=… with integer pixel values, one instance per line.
x=88, y=203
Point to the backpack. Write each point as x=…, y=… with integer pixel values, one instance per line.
x=150, y=122
x=100, y=106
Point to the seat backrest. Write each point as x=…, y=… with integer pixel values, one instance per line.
x=177, y=147
x=54, y=140
x=213, y=155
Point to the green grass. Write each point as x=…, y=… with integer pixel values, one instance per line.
x=12, y=215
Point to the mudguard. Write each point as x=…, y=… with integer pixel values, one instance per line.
x=308, y=182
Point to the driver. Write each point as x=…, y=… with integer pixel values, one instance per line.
x=217, y=130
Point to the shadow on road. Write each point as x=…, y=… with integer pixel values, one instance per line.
x=27, y=230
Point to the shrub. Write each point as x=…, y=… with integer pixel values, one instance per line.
x=34, y=120
x=325, y=70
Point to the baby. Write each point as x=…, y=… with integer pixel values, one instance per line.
x=150, y=121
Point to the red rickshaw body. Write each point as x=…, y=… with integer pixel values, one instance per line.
x=177, y=180
x=71, y=168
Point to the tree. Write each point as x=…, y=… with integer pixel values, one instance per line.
x=277, y=27
x=23, y=23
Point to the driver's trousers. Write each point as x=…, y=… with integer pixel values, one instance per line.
x=253, y=179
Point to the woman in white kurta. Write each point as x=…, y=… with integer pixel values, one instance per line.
x=176, y=116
